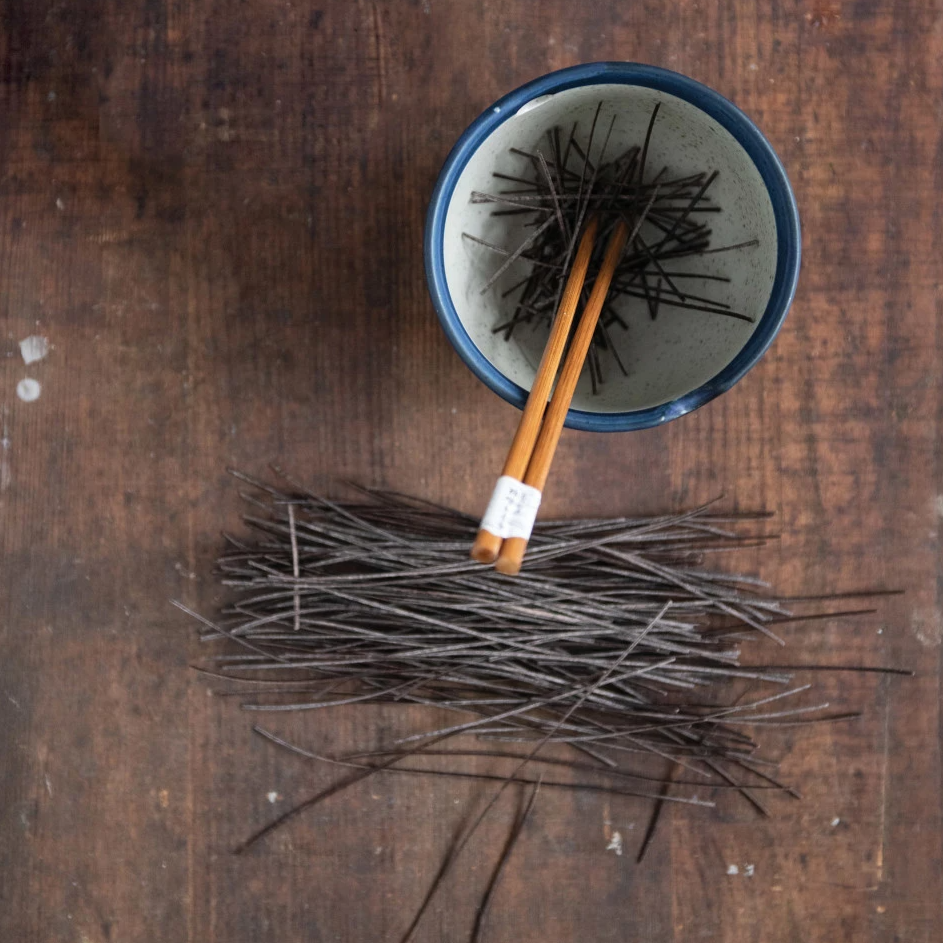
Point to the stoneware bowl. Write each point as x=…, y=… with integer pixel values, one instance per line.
x=679, y=361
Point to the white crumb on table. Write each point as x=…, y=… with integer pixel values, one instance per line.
x=28, y=390
x=33, y=348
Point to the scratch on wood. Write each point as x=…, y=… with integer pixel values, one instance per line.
x=885, y=760
x=6, y=473
x=381, y=58
x=109, y=237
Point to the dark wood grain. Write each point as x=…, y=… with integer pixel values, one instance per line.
x=214, y=211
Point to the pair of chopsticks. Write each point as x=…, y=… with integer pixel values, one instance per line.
x=505, y=529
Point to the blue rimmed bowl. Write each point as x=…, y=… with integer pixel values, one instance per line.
x=683, y=359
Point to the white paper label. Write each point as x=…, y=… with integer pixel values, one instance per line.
x=512, y=509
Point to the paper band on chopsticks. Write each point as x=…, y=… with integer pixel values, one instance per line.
x=512, y=509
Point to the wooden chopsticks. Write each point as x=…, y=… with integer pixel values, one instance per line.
x=487, y=544
x=512, y=550
x=505, y=528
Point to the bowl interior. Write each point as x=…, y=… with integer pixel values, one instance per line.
x=680, y=350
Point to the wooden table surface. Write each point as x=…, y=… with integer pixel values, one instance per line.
x=214, y=213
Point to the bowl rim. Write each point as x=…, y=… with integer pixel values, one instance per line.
x=747, y=134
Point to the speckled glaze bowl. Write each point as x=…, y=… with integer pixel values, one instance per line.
x=681, y=360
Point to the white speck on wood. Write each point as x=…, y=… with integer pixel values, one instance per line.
x=748, y=870
x=272, y=797
x=48, y=782
x=33, y=348
x=836, y=821
x=615, y=843
x=59, y=204
x=732, y=869
x=28, y=390
x=927, y=627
